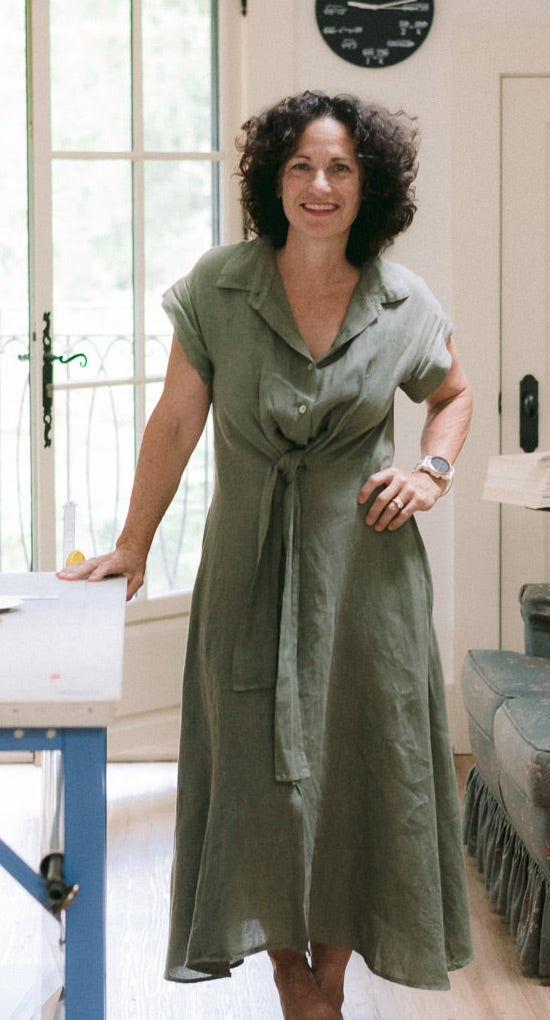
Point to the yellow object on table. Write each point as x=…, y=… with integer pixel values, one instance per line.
x=74, y=557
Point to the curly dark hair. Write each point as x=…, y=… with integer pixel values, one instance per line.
x=386, y=148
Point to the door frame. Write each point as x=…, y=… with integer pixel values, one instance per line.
x=40, y=277
x=479, y=61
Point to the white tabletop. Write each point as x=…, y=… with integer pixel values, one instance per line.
x=61, y=650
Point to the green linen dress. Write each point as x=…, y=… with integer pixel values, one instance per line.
x=316, y=795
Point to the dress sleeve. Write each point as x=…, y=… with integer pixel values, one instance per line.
x=179, y=308
x=429, y=358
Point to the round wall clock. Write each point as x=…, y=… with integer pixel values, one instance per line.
x=374, y=34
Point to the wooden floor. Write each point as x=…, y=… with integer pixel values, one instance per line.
x=140, y=809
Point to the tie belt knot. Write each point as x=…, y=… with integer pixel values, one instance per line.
x=290, y=463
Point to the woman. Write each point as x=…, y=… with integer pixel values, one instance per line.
x=317, y=805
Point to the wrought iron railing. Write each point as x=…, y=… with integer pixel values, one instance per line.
x=96, y=408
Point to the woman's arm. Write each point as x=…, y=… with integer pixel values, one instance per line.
x=449, y=412
x=170, y=437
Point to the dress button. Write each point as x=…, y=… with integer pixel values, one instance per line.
x=310, y=366
x=302, y=409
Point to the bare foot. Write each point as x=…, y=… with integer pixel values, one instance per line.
x=300, y=995
x=328, y=964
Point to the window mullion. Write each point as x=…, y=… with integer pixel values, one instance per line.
x=138, y=218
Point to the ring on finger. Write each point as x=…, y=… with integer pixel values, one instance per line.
x=397, y=502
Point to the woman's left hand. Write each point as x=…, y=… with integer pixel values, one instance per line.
x=400, y=496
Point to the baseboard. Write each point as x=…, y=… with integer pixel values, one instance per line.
x=151, y=736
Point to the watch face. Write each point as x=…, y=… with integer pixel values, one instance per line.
x=440, y=464
x=374, y=34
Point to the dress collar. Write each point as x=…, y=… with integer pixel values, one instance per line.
x=252, y=267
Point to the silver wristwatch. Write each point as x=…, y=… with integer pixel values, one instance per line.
x=437, y=467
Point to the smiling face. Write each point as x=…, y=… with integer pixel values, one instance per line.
x=320, y=185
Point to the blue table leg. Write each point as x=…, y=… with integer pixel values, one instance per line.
x=22, y=873
x=84, y=753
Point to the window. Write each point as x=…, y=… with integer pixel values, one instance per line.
x=123, y=192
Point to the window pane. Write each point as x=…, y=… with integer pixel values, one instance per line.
x=178, y=228
x=175, y=553
x=157, y=350
x=15, y=474
x=94, y=435
x=15, y=482
x=177, y=89
x=93, y=316
x=90, y=45
x=92, y=234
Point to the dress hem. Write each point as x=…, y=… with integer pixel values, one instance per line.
x=171, y=975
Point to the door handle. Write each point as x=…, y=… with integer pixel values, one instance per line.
x=528, y=413
x=47, y=375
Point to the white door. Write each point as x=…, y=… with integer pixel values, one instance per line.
x=112, y=159
x=525, y=301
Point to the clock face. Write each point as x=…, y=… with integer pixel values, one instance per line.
x=374, y=34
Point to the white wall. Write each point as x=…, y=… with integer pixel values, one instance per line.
x=285, y=53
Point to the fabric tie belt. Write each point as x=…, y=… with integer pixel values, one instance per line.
x=271, y=616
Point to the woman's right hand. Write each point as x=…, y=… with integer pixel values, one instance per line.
x=123, y=562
